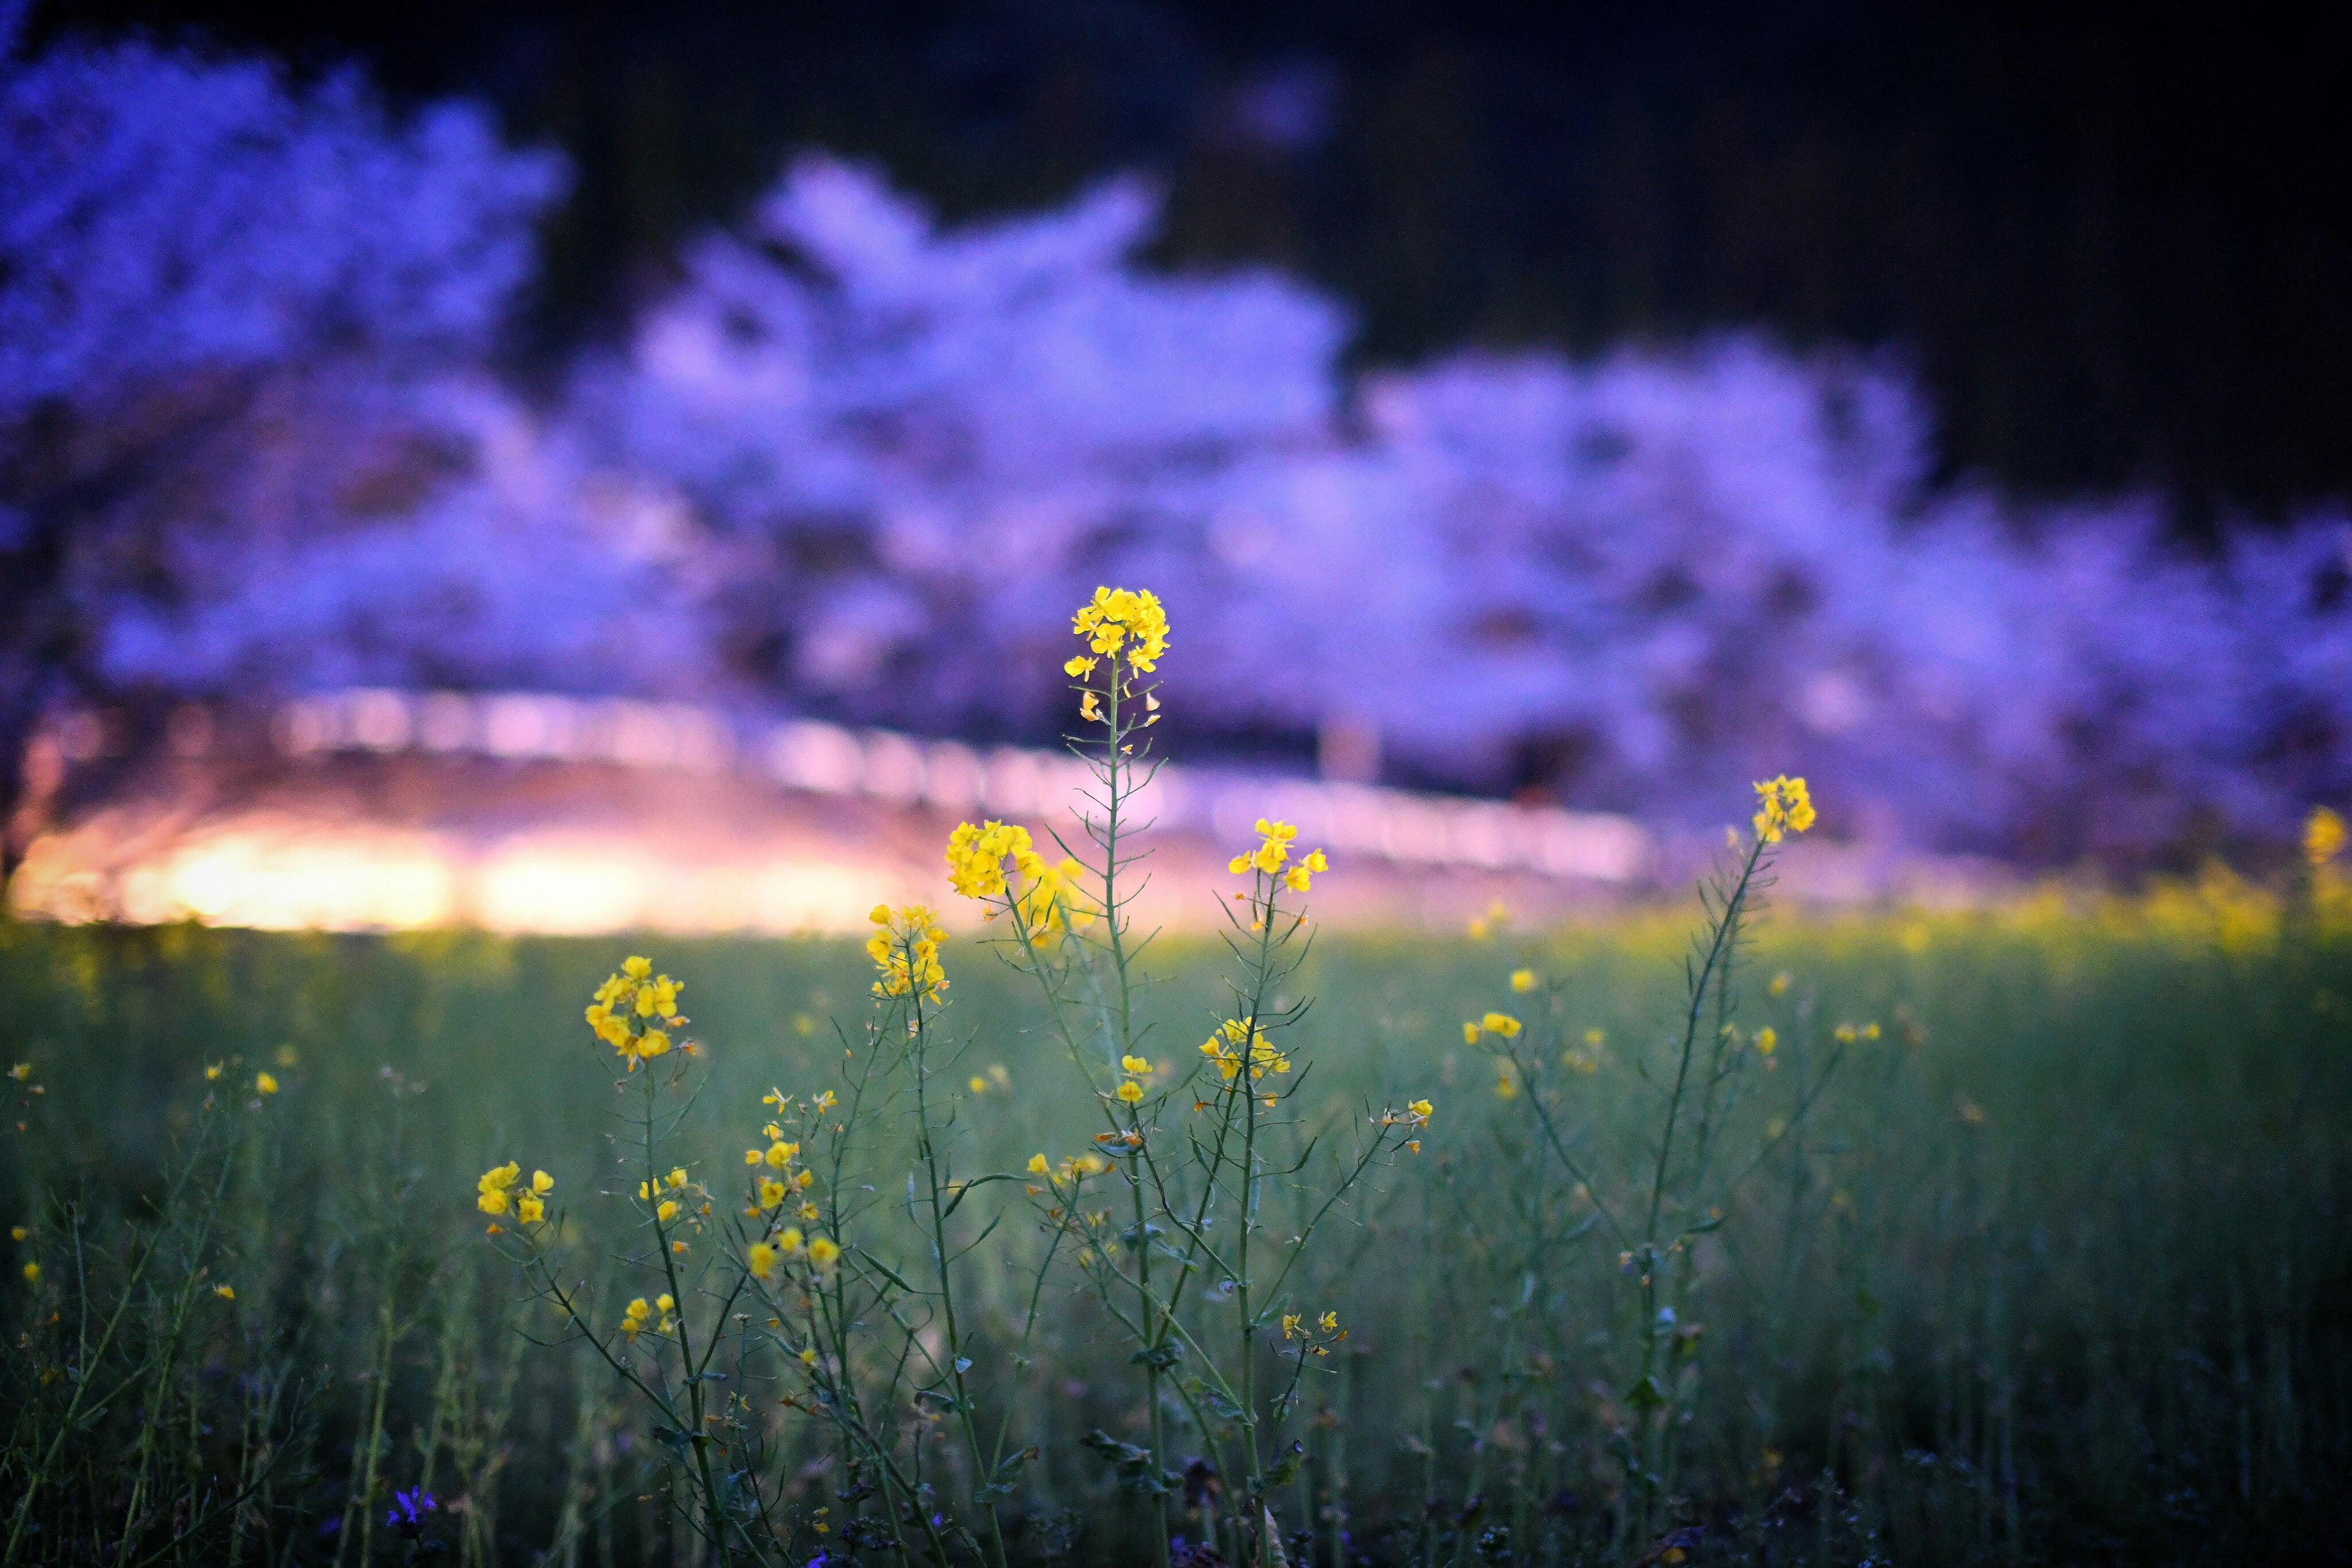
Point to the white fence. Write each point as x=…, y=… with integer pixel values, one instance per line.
x=1430, y=830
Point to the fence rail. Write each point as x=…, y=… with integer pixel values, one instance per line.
x=1399, y=826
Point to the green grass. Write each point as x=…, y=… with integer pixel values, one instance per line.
x=2054, y=1269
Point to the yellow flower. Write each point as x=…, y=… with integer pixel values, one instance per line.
x=1225, y=1049
x=906, y=951
x=540, y=1182
x=780, y=1153
x=18, y=1233
x=677, y=1176
x=771, y=1193
x=1090, y=707
x=761, y=1259
x=530, y=1209
x=1501, y=1024
x=1329, y=1323
x=1523, y=980
x=978, y=1084
x=976, y=856
x=211, y=1073
x=788, y=1240
x=665, y=1301
x=634, y=993
x=1492, y=920
x=1767, y=1041
x=226, y=1292
x=1136, y=1065
x=1037, y=1165
x=1782, y=806
x=824, y=1252
x=2323, y=837
x=807, y=1180
x=1507, y=1088
x=265, y=1083
x=668, y=1211
x=1116, y=619
x=32, y=1273
x=1469, y=1033
x=1422, y=1109
x=1289, y=1324
x=1780, y=982
x=493, y=1187
x=1130, y=1092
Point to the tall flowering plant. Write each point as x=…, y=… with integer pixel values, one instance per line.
x=860, y=1309
x=1687, y=1164
x=1180, y=1254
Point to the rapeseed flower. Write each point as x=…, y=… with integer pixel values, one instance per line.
x=627, y=1007
x=761, y=1259
x=1782, y=806
x=1130, y=1092
x=1117, y=621
x=1767, y=1040
x=1523, y=980
x=2323, y=837
x=1501, y=1024
x=906, y=950
x=824, y=1252
x=1225, y=1048
x=492, y=1192
x=265, y=1082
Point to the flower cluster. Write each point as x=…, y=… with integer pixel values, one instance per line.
x=1782, y=808
x=774, y=1179
x=1416, y=1115
x=1320, y=1334
x=1048, y=898
x=632, y=1319
x=672, y=1197
x=1502, y=1026
x=631, y=1009
x=1073, y=1169
x=1235, y=1043
x=2323, y=837
x=1130, y=1091
x=407, y=1513
x=904, y=947
x=1119, y=620
x=502, y=1190
x=1272, y=853
x=780, y=1189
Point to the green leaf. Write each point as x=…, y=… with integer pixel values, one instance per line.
x=1285, y=1469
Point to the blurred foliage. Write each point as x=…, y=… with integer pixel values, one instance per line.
x=2110, y=236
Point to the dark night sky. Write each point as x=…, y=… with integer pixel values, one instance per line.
x=2115, y=244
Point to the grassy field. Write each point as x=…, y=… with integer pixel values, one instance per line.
x=2047, y=1263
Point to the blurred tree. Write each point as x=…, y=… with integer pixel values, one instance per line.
x=2111, y=238
x=202, y=275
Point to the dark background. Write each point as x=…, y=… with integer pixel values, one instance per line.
x=2112, y=245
